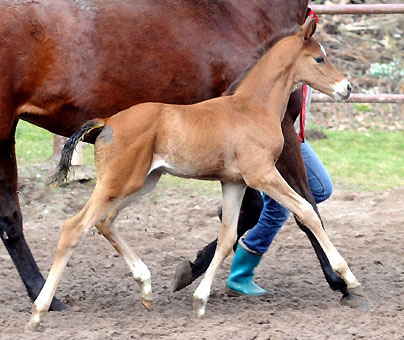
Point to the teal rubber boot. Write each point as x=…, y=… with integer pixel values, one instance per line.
x=240, y=280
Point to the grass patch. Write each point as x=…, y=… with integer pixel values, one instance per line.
x=33, y=144
x=366, y=160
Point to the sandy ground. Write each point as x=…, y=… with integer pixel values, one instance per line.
x=170, y=225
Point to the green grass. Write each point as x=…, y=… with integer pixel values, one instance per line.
x=360, y=160
x=33, y=144
x=366, y=160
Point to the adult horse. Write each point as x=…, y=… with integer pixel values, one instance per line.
x=65, y=62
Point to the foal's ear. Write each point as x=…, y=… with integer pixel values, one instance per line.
x=309, y=27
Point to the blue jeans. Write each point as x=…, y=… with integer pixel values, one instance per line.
x=274, y=215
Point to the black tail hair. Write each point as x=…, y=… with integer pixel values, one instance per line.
x=63, y=168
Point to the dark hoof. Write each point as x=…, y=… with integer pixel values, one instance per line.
x=183, y=276
x=356, y=298
x=57, y=305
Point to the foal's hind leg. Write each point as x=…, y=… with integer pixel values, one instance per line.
x=72, y=232
x=139, y=270
x=268, y=180
x=232, y=198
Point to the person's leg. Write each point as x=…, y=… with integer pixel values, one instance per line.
x=273, y=216
x=253, y=246
x=319, y=180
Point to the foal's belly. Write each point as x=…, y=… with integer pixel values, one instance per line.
x=197, y=169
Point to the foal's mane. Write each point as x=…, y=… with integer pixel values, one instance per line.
x=262, y=49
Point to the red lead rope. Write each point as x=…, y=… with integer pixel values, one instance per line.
x=303, y=114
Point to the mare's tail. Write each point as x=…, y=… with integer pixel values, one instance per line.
x=63, y=168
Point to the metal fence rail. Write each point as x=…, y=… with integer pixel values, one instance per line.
x=359, y=9
x=361, y=98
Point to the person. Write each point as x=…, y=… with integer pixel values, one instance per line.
x=257, y=240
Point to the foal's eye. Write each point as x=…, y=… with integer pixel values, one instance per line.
x=319, y=60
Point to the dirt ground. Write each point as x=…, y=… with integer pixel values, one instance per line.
x=170, y=225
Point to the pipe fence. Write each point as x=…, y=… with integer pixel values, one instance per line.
x=364, y=9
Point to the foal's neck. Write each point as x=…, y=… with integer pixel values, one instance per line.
x=269, y=83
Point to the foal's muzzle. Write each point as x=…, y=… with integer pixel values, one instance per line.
x=342, y=90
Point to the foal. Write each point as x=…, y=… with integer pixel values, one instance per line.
x=235, y=139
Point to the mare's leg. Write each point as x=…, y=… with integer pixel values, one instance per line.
x=291, y=166
x=292, y=169
x=268, y=180
x=11, y=231
x=139, y=270
x=187, y=271
x=232, y=198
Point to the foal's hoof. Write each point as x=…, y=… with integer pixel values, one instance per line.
x=356, y=298
x=57, y=305
x=35, y=320
x=32, y=326
x=147, y=304
x=199, y=307
x=183, y=276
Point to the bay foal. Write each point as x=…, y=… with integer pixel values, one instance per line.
x=235, y=139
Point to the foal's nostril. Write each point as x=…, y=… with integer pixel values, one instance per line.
x=349, y=88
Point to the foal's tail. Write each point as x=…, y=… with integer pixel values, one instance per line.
x=63, y=168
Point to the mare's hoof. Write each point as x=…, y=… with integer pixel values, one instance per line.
x=57, y=305
x=356, y=299
x=183, y=275
x=147, y=304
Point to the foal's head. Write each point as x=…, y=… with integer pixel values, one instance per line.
x=313, y=67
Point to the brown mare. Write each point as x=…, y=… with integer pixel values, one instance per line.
x=64, y=62
x=235, y=139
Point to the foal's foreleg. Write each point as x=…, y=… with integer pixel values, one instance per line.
x=187, y=271
x=270, y=181
x=232, y=197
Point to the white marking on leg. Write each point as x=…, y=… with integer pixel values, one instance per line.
x=202, y=294
x=142, y=275
x=232, y=197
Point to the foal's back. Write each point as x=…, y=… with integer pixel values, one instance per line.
x=201, y=140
